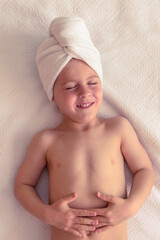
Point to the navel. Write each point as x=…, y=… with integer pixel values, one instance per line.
x=58, y=165
x=112, y=161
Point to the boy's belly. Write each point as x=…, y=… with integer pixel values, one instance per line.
x=90, y=200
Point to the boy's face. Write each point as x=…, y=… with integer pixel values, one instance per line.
x=78, y=92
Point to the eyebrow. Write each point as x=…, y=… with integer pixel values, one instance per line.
x=69, y=81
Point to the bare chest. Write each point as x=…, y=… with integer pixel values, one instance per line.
x=85, y=153
x=86, y=165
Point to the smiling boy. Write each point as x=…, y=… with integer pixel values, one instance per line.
x=85, y=158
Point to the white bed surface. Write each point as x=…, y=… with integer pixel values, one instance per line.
x=127, y=33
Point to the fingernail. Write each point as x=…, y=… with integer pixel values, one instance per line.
x=94, y=214
x=95, y=222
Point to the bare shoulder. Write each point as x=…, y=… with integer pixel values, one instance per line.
x=125, y=128
x=118, y=122
x=43, y=139
x=121, y=128
x=45, y=135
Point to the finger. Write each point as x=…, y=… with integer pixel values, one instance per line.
x=100, y=219
x=102, y=229
x=101, y=225
x=99, y=212
x=84, y=213
x=76, y=233
x=84, y=228
x=86, y=221
x=69, y=198
x=107, y=198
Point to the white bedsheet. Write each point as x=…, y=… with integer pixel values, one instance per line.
x=127, y=33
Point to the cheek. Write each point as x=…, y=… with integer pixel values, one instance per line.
x=99, y=93
x=67, y=99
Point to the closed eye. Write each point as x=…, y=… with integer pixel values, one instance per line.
x=70, y=88
x=92, y=83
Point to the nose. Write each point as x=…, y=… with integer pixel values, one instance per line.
x=84, y=92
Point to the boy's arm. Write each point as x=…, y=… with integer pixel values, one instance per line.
x=58, y=214
x=28, y=176
x=119, y=209
x=139, y=164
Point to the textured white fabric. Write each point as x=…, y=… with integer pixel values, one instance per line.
x=69, y=38
x=127, y=36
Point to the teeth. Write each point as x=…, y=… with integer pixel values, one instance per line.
x=85, y=105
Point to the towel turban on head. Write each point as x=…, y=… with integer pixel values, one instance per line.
x=69, y=38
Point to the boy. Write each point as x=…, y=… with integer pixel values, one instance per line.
x=84, y=154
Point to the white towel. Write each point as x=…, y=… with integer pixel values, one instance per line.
x=69, y=38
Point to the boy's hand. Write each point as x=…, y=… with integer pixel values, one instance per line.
x=117, y=211
x=75, y=221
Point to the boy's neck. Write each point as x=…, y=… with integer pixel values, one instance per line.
x=70, y=125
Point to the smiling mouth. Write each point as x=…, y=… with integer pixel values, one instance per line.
x=85, y=105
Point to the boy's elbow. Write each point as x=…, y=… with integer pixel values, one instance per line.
x=150, y=174
x=18, y=185
x=146, y=172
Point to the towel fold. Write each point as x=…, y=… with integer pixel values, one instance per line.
x=69, y=38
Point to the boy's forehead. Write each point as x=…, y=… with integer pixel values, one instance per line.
x=75, y=66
